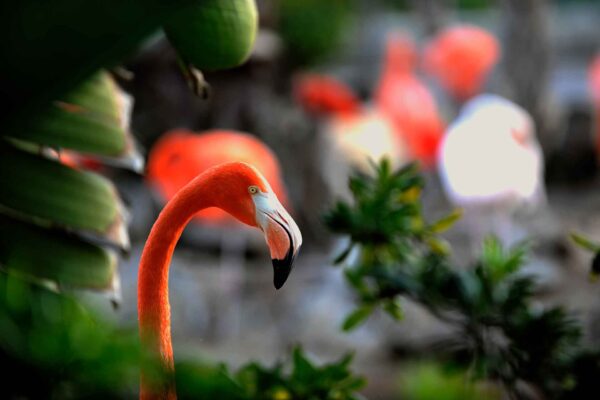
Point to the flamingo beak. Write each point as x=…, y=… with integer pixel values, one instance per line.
x=519, y=136
x=282, y=235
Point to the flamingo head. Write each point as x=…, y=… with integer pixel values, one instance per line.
x=461, y=57
x=401, y=53
x=325, y=95
x=504, y=115
x=243, y=192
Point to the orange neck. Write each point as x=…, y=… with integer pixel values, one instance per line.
x=153, y=292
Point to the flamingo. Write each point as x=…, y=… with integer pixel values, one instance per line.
x=238, y=189
x=461, y=57
x=175, y=160
x=325, y=95
x=354, y=134
x=359, y=132
x=408, y=102
x=594, y=83
x=491, y=164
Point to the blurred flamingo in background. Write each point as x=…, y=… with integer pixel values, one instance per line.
x=180, y=155
x=176, y=159
x=461, y=57
x=408, y=102
x=358, y=131
x=324, y=95
x=594, y=84
x=355, y=133
x=491, y=164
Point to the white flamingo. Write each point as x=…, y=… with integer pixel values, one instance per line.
x=491, y=164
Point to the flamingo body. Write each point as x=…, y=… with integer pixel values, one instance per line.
x=408, y=102
x=491, y=165
x=180, y=155
x=490, y=155
x=364, y=137
x=594, y=80
x=356, y=132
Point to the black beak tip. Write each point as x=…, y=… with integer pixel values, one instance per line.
x=281, y=271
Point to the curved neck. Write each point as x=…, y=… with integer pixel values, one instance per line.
x=153, y=292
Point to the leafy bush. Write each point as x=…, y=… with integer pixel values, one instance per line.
x=53, y=348
x=501, y=335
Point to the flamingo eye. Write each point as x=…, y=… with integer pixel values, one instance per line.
x=253, y=189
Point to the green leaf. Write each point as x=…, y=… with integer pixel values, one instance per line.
x=33, y=186
x=195, y=380
x=303, y=369
x=492, y=255
x=393, y=308
x=77, y=129
x=54, y=255
x=430, y=381
x=357, y=317
x=356, y=279
x=584, y=242
x=446, y=222
x=98, y=94
x=516, y=257
x=499, y=262
x=51, y=47
x=342, y=256
x=214, y=34
x=438, y=246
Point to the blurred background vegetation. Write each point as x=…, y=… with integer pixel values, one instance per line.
x=413, y=313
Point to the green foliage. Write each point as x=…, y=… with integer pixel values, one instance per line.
x=428, y=381
x=62, y=100
x=306, y=381
x=47, y=196
x=51, y=47
x=46, y=189
x=312, y=29
x=51, y=348
x=54, y=255
x=585, y=242
x=83, y=131
x=387, y=223
x=589, y=245
x=302, y=380
x=407, y=5
x=501, y=335
x=49, y=339
x=197, y=380
x=474, y=4
x=357, y=317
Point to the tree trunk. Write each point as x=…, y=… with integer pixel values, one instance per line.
x=433, y=14
x=527, y=57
